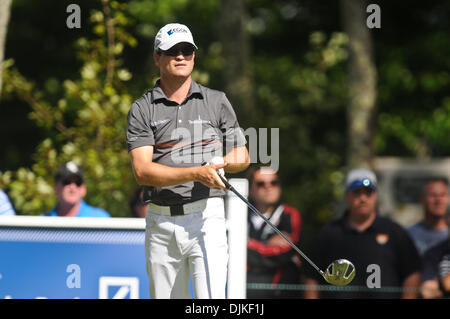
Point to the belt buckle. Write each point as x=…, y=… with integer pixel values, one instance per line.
x=176, y=210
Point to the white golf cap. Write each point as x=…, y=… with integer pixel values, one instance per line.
x=171, y=34
x=361, y=177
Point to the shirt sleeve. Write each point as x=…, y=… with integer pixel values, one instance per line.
x=233, y=135
x=430, y=263
x=444, y=266
x=139, y=132
x=6, y=208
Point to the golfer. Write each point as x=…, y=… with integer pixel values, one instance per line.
x=171, y=131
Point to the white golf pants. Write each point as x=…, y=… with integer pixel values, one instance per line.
x=181, y=247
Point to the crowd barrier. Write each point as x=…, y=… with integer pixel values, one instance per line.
x=90, y=258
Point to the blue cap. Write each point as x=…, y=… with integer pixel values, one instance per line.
x=361, y=177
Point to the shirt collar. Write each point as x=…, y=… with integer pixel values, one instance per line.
x=54, y=212
x=158, y=93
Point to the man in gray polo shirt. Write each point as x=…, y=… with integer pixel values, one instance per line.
x=171, y=131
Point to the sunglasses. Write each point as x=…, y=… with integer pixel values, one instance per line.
x=69, y=181
x=363, y=190
x=274, y=182
x=186, y=50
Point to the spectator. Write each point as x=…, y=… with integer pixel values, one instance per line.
x=436, y=269
x=138, y=207
x=433, y=228
x=270, y=258
x=370, y=242
x=70, y=188
x=6, y=208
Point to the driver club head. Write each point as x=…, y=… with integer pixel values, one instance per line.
x=340, y=272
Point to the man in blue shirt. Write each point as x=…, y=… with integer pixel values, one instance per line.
x=70, y=188
x=433, y=228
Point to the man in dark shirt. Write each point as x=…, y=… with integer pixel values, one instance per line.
x=386, y=261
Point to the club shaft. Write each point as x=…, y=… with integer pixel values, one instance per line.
x=256, y=211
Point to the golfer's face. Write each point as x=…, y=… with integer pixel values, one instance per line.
x=362, y=201
x=178, y=61
x=266, y=188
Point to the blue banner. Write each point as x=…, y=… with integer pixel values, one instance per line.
x=72, y=263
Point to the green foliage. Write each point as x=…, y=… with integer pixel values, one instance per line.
x=413, y=84
x=299, y=86
x=302, y=93
x=306, y=98
x=87, y=123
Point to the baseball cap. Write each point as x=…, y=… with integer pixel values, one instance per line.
x=171, y=34
x=69, y=170
x=361, y=177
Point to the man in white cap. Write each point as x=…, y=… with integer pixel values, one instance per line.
x=382, y=252
x=171, y=131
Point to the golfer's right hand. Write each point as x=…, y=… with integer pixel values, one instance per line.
x=208, y=175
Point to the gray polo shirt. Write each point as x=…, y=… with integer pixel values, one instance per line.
x=183, y=135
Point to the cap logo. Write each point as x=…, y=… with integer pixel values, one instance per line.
x=176, y=30
x=366, y=182
x=72, y=167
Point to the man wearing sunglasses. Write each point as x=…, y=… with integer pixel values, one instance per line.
x=70, y=188
x=381, y=250
x=171, y=131
x=270, y=259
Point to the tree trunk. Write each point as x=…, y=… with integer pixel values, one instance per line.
x=362, y=85
x=236, y=50
x=5, y=7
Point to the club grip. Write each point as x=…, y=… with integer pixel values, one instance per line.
x=224, y=181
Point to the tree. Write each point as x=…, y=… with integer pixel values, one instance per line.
x=86, y=124
x=362, y=85
x=238, y=82
x=413, y=70
x=5, y=7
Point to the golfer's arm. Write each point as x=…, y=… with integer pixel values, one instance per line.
x=237, y=159
x=154, y=174
x=311, y=291
x=411, y=285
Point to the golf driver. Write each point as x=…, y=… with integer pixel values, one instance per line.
x=340, y=272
